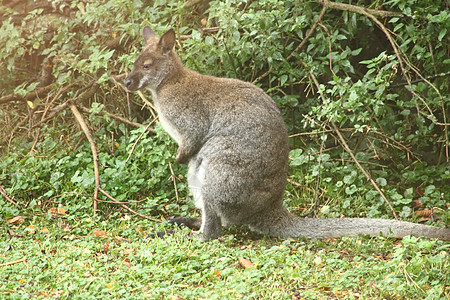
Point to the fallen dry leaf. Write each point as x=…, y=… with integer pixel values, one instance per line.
x=217, y=273
x=424, y=213
x=16, y=220
x=30, y=229
x=58, y=210
x=420, y=192
x=105, y=248
x=245, y=263
x=176, y=297
x=100, y=233
x=139, y=230
x=129, y=251
x=127, y=262
x=417, y=203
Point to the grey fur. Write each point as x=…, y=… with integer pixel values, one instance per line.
x=232, y=136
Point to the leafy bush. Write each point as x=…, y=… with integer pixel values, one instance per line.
x=336, y=68
x=396, y=131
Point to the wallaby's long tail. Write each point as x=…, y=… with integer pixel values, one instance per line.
x=284, y=224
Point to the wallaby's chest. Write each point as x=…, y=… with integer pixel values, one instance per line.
x=168, y=126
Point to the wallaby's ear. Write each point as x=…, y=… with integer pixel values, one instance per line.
x=147, y=32
x=167, y=41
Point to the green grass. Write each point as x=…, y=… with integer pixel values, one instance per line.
x=65, y=259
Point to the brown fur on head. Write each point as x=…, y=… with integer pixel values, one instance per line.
x=154, y=63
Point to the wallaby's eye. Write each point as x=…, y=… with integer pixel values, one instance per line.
x=146, y=66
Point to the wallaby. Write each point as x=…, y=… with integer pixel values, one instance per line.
x=234, y=140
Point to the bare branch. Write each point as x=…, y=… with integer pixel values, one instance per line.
x=30, y=96
x=118, y=118
x=358, y=9
x=88, y=135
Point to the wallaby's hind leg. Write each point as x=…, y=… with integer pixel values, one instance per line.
x=211, y=224
x=192, y=223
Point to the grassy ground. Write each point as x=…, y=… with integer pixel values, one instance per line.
x=49, y=256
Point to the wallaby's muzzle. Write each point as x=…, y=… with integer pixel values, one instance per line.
x=131, y=83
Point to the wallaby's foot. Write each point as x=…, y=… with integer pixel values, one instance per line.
x=160, y=234
x=204, y=237
x=211, y=232
x=192, y=223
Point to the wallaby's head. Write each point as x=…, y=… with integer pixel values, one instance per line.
x=156, y=62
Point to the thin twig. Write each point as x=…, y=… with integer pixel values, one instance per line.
x=5, y=194
x=137, y=140
x=117, y=80
x=126, y=207
x=88, y=93
x=369, y=178
x=9, y=263
x=115, y=117
x=174, y=179
x=320, y=132
x=311, y=190
x=97, y=189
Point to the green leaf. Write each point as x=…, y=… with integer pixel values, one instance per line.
x=381, y=181
x=442, y=33
x=283, y=79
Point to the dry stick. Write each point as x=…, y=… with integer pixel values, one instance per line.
x=319, y=167
x=349, y=151
x=422, y=78
x=174, y=179
x=126, y=207
x=358, y=9
x=346, y=147
x=47, y=107
x=88, y=93
x=118, y=118
x=320, y=132
x=117, y=80
x=13, y=262
x=137, y=140
x=397, y=145
x=311, y=190
x=11, y=137
x=5, y=194
x=30, y=96
x=300, y=46
x=88, y=135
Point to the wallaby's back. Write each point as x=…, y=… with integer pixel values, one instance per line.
x=234, y=140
